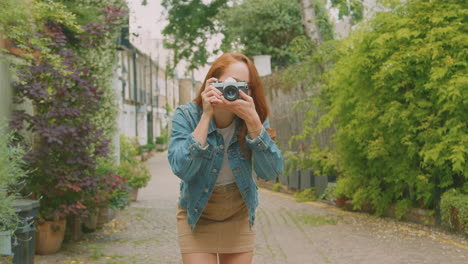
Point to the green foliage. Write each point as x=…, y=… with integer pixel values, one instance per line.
x=190, y=26
x=328, y=193
x=353, y=8
x=20, y=23
x=277, y=187
x=128, y=148
x=135, y=173
x=323, y=21
x=397, y=96
x=114, y=189
x=11, y=173
x=262, y=27
x=454, y=210
x=306, y=195
x=131, y=169
x=344, y=188
x=85, y=33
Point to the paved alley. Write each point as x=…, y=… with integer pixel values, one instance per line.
x=287, y=233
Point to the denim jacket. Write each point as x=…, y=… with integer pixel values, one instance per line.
x=198, y=167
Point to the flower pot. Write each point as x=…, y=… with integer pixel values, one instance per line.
x=161, y=147
x=90, y=223
x=133, y=194
x=74, y=231
x=5, y=243
x=341, y=201
x=49, y=236
x=6, y=43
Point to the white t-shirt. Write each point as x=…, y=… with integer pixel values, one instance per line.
x=225, y=174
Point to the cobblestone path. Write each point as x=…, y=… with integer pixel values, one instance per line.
x=287, y=233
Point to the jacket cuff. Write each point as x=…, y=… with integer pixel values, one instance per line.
x=196, y=150
x=259, y=143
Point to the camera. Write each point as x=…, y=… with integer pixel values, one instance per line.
x=230, y=89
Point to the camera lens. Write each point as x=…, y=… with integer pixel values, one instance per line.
x=231, y=93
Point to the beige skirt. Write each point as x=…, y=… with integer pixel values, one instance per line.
x=222, y=228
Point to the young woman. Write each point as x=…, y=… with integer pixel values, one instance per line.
x=214, y=145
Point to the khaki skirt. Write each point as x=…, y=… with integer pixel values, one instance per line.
x=222, y=228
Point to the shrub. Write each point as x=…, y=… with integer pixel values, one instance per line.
x=397, y=97
x=135, y=174
x=12, y=172
x=128, y=148
x=454, y=210
x=306, y=195
x=276, y=187
x=328, y=194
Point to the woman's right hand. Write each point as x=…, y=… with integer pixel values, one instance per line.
x=210, y=96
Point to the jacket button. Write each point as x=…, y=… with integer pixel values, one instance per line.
x=214, y=170
x=221, y=146
x=196, y=210
x=206, y=190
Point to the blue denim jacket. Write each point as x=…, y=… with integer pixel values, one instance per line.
x=198, y=167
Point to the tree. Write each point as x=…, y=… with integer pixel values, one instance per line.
x=190, y=26
x=309, y=20
x=260, y=27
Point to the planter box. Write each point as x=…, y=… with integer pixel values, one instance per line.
x=5, y=243
x=161, y=147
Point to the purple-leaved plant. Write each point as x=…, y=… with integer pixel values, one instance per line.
x=66, y=143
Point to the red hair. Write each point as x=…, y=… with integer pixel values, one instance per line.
x=256, y=89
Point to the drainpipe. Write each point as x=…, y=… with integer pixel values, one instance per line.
x=151, y=98
x=135, y=91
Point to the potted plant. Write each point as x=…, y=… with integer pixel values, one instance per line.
x=11, y=173
x=161, y=141
x=67, y=142
x=342, y=193
x=135, y=174
x=112, y=193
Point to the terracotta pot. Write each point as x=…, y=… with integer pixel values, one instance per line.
x=49, y=236
x=341, y=201
x=6, y=44
x=105, y=215
x=74, y=231
x=134, y=194
x=90, y=223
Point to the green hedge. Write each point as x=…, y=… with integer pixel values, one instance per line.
x=397, y=95
x=454, y=210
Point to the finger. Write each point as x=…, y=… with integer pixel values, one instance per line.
x=214, y=94
x=245, y=96
x=210, y=80
x=214, y=100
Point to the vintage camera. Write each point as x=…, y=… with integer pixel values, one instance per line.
x=230, y=88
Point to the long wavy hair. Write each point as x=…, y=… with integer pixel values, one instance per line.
x=257, y=91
